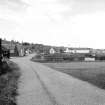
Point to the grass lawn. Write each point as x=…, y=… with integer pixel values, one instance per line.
x=92, y=72
x=8, y=85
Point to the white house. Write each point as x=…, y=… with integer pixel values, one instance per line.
x=52, y=51
x=82, y=50
x=67, y=50
x=77, y=50
x=89, y=59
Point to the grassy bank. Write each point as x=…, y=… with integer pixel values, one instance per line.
x=92, y=72
x=8, y=84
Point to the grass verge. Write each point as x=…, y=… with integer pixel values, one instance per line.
x=91, y=72
x=9, y=84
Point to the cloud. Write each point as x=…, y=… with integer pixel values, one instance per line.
x=83, y=6
x=7, y=24
x=51, y=8
x=8, y=28
x=15, y=5
x=62, y=10
x=11, y=12
x=54, y=22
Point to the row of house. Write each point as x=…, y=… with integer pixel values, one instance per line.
x=79, y=51
x=72, y=50
x=15, y=50
x=88, y=54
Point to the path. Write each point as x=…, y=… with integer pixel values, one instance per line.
x=40, y=85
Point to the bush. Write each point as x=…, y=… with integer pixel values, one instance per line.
x=54, y=57
x=58, y=57
x=63, y=57
x=8, y=84
x=4, y=68
x=38, y=56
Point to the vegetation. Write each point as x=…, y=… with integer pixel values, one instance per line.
x=39, y=48
x=58, y=57
x=91, y=72
x=8, y=84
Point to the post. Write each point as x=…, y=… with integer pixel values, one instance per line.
x=0, y=53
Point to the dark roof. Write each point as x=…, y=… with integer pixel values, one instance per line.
x=79, y=48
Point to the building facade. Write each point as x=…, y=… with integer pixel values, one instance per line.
x=52, y=51
x=78, y=50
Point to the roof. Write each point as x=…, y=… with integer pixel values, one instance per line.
x=4, y=48
x=79, y=48
x=11, y=47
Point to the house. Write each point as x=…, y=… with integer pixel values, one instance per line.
x=67, y=50
x=78, y=50
x=100, y=51
x=82, y=50
x=52, y=51
x=27, y=51
x=21, y=51
x=15, y=50
x=99, y=54
x=89, y=59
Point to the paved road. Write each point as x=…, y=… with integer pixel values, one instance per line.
x=40, y=85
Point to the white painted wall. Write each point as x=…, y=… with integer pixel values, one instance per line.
x=89, y=59
x=52, y=51
x=82, y=51
x=77, y=50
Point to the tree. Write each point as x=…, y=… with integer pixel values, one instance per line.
x=25, y=43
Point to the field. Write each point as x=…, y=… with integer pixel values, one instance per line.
x=92, y=72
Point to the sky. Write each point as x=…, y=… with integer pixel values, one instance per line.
x=72, y=23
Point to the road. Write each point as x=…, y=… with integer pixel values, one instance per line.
x=40, y=85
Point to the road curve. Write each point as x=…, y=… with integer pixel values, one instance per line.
x=40, y=85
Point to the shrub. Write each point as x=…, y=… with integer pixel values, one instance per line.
x=63, y=57
x=8, y=84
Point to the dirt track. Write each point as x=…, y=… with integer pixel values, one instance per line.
x=40, y=85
